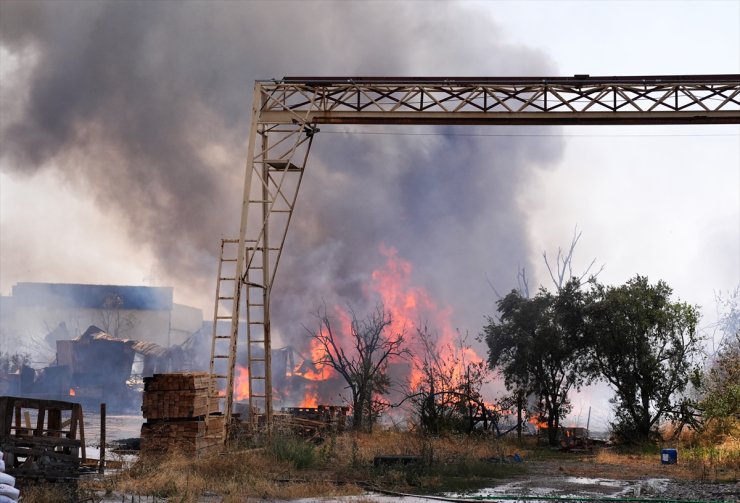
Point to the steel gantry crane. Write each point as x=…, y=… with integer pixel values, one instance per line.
x=285, y=119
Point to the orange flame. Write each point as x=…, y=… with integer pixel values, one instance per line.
x=540, y=424
x=72, y=392
x=241, y=383
x=311, y=398
x=411, y=307
x=320, y=371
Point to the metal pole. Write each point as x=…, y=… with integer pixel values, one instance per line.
x=239, y=273
x=267, y=283
x=101, y=466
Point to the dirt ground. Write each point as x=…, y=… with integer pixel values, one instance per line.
x=557, y=478
x=586, y=478
x=580, y=476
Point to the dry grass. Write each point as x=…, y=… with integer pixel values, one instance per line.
x=341, y=466
x=287, y=468
x=47, y=493
x=235, y=475
x=697, y=459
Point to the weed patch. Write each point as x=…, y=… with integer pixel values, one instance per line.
x=295, y=450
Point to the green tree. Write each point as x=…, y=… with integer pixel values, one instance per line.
x=721, y=396
x=644, y=346
x=539, y=346
x=720, y=384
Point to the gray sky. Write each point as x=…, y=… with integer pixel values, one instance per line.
x=124, y=128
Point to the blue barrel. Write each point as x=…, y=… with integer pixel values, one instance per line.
x=669, y=456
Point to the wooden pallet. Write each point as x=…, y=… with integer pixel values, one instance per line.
x=47, y=447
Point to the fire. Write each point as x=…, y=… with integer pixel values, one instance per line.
x=411, y=306
x=72, y=392
x=241, y=383
x=322, y=371
x=311, y=398
x=540, y=424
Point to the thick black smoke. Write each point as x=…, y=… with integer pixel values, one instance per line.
x=146, y=105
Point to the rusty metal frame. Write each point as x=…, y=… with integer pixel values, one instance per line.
x=286, y=113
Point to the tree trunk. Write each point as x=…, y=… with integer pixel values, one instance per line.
x=357, y=411
x=519, y=407
x=552, y=426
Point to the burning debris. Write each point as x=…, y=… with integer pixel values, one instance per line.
x=314, y=420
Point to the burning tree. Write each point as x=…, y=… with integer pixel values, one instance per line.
x=446, y=385
x=364, y=365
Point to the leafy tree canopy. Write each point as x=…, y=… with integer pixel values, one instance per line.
x=644, y=346
x=539, y=345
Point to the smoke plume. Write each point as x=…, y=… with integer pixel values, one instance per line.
x=145, y=107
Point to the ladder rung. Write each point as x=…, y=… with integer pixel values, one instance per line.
x=228, y=260
x=256, y=322
x=257, y=377
x=223, y=317
x=257, y=342
x=220, y=356
x=226, y=298
x=257, y=359
x=223, y=337
x=227, y=279
x=257, y=396
x=234, y=241
x=218, y=376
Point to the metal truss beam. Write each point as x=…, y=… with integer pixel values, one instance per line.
x=580, y=100
x=285, y=115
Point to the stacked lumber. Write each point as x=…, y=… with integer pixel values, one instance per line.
x=177, y=396
x=182, y=381
x=176, y=409
x=188, y=436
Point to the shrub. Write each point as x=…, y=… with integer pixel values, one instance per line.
x=292, y=449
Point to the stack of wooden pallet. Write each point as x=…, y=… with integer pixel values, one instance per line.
x=45, y=447
x=176, y=409
x=321, y=418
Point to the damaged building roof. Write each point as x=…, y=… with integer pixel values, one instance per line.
x=142, y=347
